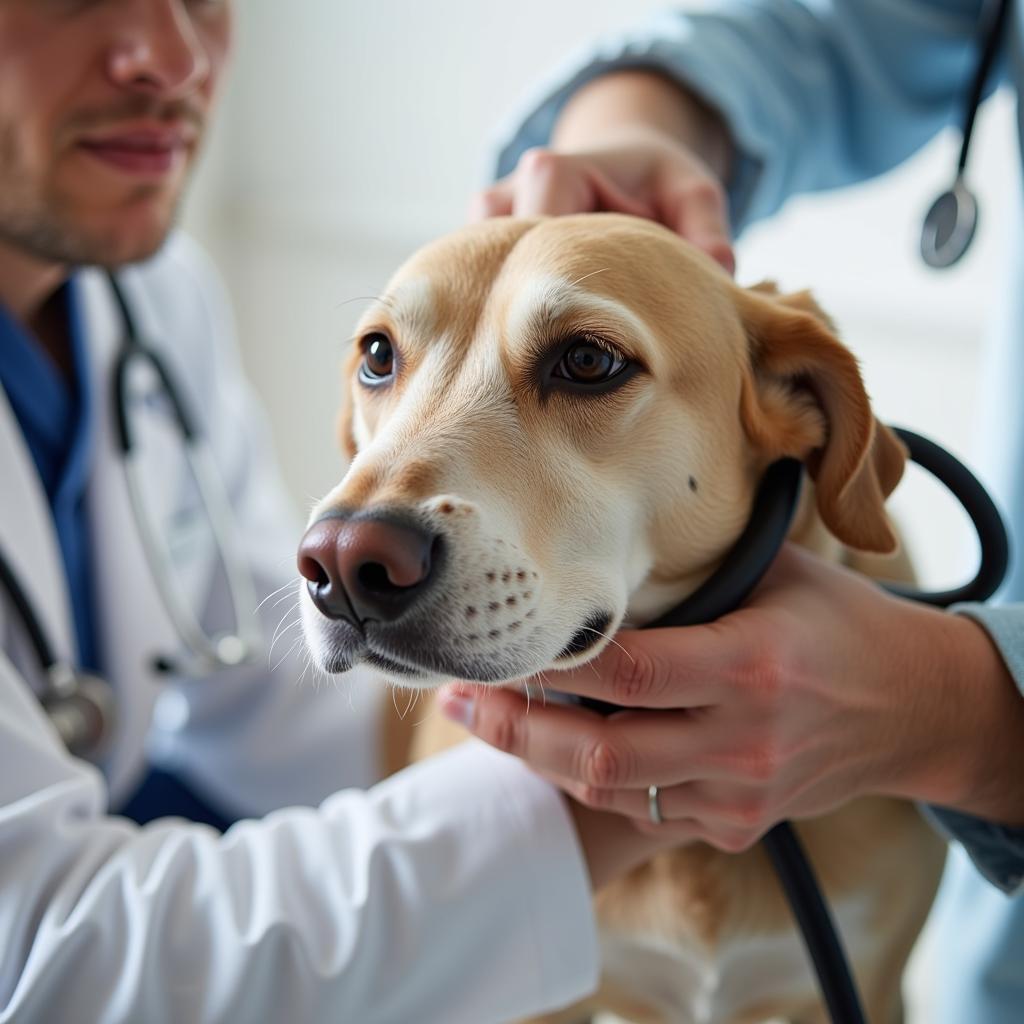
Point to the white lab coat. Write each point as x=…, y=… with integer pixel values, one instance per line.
x=454, y=892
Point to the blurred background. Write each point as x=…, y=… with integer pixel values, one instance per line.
x=354, y=132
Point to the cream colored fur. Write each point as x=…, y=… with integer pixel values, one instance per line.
x=556, y=505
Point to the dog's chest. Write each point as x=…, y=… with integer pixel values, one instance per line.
x=753, y=977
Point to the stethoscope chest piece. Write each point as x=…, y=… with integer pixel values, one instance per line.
x=81, y=708
x=949, y=226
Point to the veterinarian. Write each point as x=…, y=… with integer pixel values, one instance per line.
x=457, y=891
x=829, y=688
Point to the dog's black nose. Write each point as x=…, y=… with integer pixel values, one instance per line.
x=370, y=568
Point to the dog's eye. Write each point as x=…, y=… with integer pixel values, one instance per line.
x=378, y=359
x=587, y=362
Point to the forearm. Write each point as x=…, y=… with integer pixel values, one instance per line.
x=992, y=770
x=814, y=96
x=959, y=720
x=627, y=101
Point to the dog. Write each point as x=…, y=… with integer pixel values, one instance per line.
x=556, y=428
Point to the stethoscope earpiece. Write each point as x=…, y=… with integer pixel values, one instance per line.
x=949, y=226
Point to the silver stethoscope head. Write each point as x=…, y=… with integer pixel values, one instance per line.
x=81, y=708
x=949, y=226
x=80, y=705
x=951, y=221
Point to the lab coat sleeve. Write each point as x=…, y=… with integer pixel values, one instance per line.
x=997, y=851
x=453, y=893
x=815, y=95
x=274, y=733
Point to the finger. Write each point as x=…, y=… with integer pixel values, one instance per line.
x=551, y=184
x=495, y=201
x=613, y=199
x=630, y=749
x=713, y=804
x=699, y=214
x=657, y=668
x=686, y=831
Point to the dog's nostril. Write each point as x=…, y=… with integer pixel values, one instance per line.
x=312, y=570
x=374, y=577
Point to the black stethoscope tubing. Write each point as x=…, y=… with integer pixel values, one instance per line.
x=992, y=34
x=729, y=586
x=952, y=219
x=132, y=348
x=81, y=705
x=206, y=653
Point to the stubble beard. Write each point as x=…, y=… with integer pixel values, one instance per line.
x=46, y=229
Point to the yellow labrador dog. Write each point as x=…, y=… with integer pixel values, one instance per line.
x=557, y=427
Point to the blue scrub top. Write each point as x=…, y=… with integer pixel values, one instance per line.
x=55, y=416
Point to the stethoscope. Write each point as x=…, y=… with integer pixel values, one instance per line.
x=949, y=228
x=732, y=583
x=81, y=705
x=952, y=219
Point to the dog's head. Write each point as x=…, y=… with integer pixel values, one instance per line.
x=557, y=426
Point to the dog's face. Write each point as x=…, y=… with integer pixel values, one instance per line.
x=557, y=426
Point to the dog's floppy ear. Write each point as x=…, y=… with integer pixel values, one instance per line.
x=803, y=396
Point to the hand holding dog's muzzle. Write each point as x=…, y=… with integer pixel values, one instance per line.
x=821, y=689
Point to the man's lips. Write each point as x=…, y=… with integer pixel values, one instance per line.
x=142, y=151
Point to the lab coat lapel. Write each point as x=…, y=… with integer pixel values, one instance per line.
x=133, y=624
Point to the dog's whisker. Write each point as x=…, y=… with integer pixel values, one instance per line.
x=543, y=693
x=281, y=621
x=287, y=654
x=413, y=697
x=307, y=661
x=284, y=586
x=585, y=276
x=611, y=640
x=360, y=298
x=277, y=637
x=284, y=597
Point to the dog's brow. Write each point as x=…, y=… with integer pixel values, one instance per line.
x=410, y=304
x=546, y=300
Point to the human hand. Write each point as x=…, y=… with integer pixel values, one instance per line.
x=822, y=688
x=639, y=171
x=629, y=142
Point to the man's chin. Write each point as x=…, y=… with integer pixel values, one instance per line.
x=112, y=230
x=110, y=241
x=136, y=238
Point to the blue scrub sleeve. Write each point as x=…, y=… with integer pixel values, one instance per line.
x=816, y=95
x=997, y=851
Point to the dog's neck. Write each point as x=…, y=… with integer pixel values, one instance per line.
x=656, y=595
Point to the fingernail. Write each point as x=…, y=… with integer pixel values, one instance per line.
x=458, y=708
